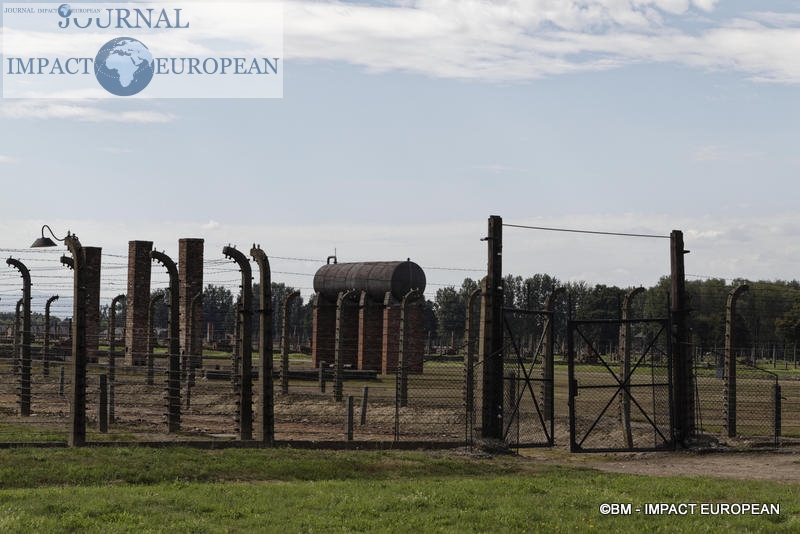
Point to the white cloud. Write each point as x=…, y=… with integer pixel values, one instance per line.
x=80, y=110
x=527, y=39
x=723, y=153
x=6, y=159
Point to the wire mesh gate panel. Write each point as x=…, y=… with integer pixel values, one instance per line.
x=528, y=414
x=755, y=413
x=614, y=404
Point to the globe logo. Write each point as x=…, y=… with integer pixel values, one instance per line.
x=64, y=10
x=123, y=66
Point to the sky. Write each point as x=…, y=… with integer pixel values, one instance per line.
x=405, y=124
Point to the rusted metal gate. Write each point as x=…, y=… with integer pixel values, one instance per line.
x=528, y=415
x=619, y=403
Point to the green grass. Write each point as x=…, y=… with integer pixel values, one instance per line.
x=185, y=490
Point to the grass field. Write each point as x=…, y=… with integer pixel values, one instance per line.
x=112, y=489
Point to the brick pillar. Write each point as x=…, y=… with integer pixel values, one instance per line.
x=190, y=273
x=391, y=334
x=348, y=326
x=323, y=332
x=137, y=302
x=92, y=258
x=370, y=333
x=415, y=336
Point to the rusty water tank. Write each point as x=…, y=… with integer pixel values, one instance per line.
x=375, y=277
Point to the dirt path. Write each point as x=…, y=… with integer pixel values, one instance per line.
x=778, y=466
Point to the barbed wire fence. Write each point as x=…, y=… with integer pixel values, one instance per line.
x=132, y=402
x=400, y=404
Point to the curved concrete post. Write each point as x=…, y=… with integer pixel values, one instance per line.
x=245, y=421
x=25, y=339
x=338, y=360
x=625, y=366
x=112, y=356
x=730, y=359
x=174, y=355
x=46, y=345
x=265, y=365
x=17, y=348
x=77, y=411
x=285, y=341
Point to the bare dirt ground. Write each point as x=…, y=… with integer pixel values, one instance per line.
x=781, y=465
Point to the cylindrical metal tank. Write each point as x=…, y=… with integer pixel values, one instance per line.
x=376, y=278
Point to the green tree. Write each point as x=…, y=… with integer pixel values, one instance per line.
x=788, y=325
x=218, y=309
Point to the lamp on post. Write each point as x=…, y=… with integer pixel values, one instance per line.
x=77, y=414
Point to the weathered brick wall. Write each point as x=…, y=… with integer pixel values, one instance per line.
x=323, y=332
x=137, y=302
x=348, y=330
x=370, y=333
x=414, y=332
x=91, y=258
x=190, y=274
x=391, y=335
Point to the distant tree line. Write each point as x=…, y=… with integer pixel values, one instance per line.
x=768, y=314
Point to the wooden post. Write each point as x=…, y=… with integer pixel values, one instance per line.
x=492, y=335
x=682, y=376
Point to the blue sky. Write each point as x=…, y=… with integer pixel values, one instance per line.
x=405, y=124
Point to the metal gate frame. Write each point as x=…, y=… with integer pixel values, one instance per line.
x=621, y=385
x=527, y=380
